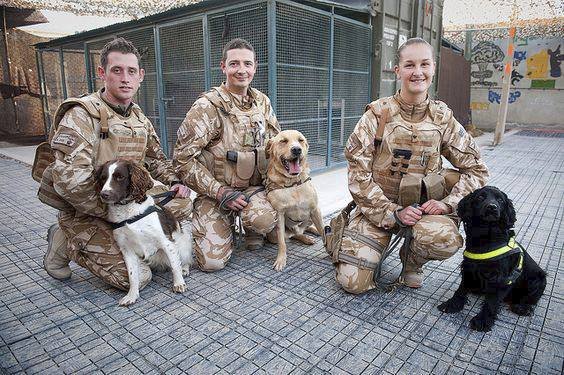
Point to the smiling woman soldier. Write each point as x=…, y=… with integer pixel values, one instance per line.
x=397, y=180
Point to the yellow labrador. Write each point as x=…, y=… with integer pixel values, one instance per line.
x=290, y=191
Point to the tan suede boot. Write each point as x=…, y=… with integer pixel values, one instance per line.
x=412, y=272
x=253, y=240
x=56, y=260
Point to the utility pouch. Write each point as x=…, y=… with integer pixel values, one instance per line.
x=400, y=161
x=434, y=186
x=47, y=193
x=409, y=190
x=244, y=168
x=335, y=230
x=262, y=162
x=451, y=177
x=43, y=158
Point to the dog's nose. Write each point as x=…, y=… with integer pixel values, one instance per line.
x=296, y=151
x=105, y=195
x=491, y=207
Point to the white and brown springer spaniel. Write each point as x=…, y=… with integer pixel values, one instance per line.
x=142, y=230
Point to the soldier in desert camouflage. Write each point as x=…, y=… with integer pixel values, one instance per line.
x=396, y=176
x=220, y=155
x=87, y=132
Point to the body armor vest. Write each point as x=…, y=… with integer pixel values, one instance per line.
x=236, y=157
x=409, y=156
x=114, y=137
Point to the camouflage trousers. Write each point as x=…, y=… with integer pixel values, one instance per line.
x=212, y=227
x=91, y=244
x=435, y=237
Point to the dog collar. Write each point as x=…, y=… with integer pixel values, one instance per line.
x=513, y=247
x=270, y=186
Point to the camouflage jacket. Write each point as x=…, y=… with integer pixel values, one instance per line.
x=219, y=122
x=76, y=158
x=372, y=181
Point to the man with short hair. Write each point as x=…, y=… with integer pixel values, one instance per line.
x=86, y=133
x=220, y=155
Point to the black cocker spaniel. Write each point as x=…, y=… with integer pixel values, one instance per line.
x=494, y=264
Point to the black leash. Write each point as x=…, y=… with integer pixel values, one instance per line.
x=237, y=227
x=405, y=234
x=169, y=195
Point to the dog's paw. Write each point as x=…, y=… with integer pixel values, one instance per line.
x=522, y=309
x=280, y=263
x=129, y=299
x=451, y=306
x=482, y=323
x=179, y=288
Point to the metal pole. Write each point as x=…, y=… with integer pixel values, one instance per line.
x=502, y=114
x=160, y=91
x=88, y=68
x=7, y=73
x=63, y=78
x=468, y=45
x=207, y=53
x=378, y=52
x=330, y=96
x=271, y=26
x=41, y=78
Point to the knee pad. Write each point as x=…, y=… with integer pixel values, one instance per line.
x=436, y=237
x=262, y=223
x=353, y=279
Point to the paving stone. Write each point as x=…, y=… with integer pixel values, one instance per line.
x=249, y=319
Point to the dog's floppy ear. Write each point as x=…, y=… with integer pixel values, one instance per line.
x=508, y=214
x=464, y=209
x=140, y=182
x=268, y=148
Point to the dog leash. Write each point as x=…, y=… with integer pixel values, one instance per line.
x=169, y=195
x=403, y=234
x=237, y=227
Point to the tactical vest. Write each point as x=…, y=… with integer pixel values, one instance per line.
x=236, y=157
x=114, y=137
x=408, y=158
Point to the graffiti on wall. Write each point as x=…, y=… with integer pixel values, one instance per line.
x=555, y=58
x=483, y=54
x=495, y=97
x=536, y=63
x=479, y=106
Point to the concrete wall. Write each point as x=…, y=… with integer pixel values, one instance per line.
x=537, y=85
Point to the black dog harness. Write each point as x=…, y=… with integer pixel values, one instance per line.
x=513, y=247
x=156, y=208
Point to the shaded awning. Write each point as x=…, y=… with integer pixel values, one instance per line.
x=16, y=17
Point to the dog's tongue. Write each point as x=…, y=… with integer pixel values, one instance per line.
x=295, y=166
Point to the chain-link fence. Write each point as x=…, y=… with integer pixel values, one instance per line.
x=313, y=64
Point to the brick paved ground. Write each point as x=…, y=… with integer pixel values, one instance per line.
x=251, y=319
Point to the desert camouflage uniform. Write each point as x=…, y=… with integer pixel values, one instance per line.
x=376, y=171
x=220, y=121
x=89, y=237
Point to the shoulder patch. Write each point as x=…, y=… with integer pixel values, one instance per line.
x=65, y=139
x=461, y=131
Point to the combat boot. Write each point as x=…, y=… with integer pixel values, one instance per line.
x=56, y=260
x=412, y=272
x=253, y=240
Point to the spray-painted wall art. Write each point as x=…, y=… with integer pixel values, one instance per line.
x=536, y=65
